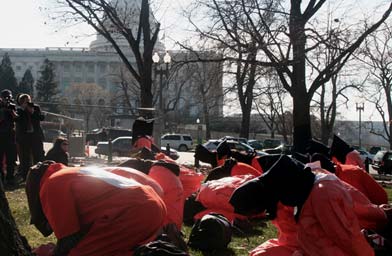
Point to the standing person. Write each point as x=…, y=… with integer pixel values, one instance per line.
x=59, y=151
x=7, y=135
x=142, y=130
x=29, y=134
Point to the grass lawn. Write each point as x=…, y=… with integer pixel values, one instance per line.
x=240, y=244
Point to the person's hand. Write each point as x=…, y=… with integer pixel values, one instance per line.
x=30, y=109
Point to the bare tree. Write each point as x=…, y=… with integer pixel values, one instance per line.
x=89, y=98
x=286, y=34
x=377, y=57
x=11, y=241
x=117, y=21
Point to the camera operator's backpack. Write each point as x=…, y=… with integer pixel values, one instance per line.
x=212, y=232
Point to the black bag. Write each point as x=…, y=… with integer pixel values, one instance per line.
x=159, y=248
x=212, y=232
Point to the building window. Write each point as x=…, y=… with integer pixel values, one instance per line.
x=90, y=67
x=90, y=80
x=102, y=68
x=18, y=68
x=67, y=67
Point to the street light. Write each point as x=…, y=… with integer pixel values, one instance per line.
x=161, y=71
x=199, y=129
x=360, y=109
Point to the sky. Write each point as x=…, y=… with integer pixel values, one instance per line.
x=25, y=24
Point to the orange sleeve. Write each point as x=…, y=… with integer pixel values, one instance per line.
x=335, y=214
x=244, y=169
x=374, y=191
x=143, y=142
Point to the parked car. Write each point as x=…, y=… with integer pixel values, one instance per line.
x=122, y=146
x=364, y=154
x=382, y=162
x=281, y=149
x=239, y=139
x=181, y=142
x=51, y=134
x=105, y=133
x=373, y=150
x=256, y=144
x=272, y=143
x=211, y=145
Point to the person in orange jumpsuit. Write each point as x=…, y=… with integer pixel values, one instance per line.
x=231, y=167
x=356, y=177
x=326, y=220
x=93, y=211
x=167, y=176
x=142, y=130
x=342, y=153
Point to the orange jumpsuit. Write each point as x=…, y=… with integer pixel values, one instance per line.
x=143, y=141
x=215, y=195
x=173, y=193
x=362, y=181
x=369, y=216
x=328, y=225
x=119, y=213
x=244, y=169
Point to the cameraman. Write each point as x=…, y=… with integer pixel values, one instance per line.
x=29, y=134
x=7, y=136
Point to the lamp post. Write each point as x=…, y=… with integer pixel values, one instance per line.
x=199, y=128
x=360, y=108
x=161, y=71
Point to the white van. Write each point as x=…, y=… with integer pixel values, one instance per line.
x=181, y=142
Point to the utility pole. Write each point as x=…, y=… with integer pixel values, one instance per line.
x=360, y=108
x=161, y=71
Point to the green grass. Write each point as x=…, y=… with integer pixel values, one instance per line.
x=240, y=245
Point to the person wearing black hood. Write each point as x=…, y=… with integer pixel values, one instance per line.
x=326, y=222
x=343, y=153
x=59, y=151
x=142, y=130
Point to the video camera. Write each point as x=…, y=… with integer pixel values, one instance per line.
x=8, y=103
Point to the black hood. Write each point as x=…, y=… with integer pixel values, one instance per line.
x=243, y=157
x=142, y=127
x=206, y=156
x=222, y=171
x=325, y=162
x=141, y=165
x=267, y=161
x=340, y=149
x=287, y=181
x=303, y=158
x=223, y=149
x=315, y=146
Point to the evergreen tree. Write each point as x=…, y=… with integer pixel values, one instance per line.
x=27, y=83
x=7, y=74
x=46, y=87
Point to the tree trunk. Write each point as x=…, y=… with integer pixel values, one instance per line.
x=11, y=241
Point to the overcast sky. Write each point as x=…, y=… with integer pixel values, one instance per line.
x=24, y=24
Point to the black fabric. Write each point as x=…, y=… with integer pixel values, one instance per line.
x=221, y=171
x=65, y=244
x=223, y=149
x=286, y=181
x=191, y=208
x=38, y=218
x=212, y=232
x=315, y=146
x=303, y=158
x=174, y=168
x=242, y=157
x=340, y=149
x=141, y=165
x=325, y=162
x=142, y=127
x=204, y=155
x=159, y=248
x=253, y=198
x=267, y=161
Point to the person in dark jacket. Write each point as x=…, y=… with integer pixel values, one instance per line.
x=7, y=136
x=29, y=134
x=59, y=151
